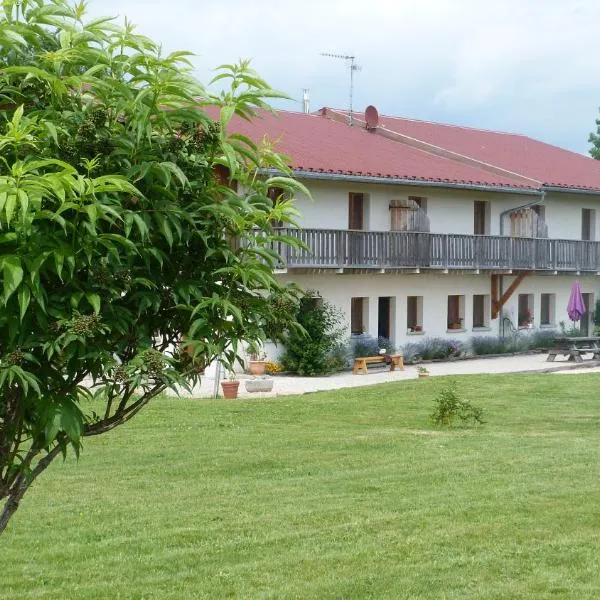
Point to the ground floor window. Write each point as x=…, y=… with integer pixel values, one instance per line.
x=358, y=315
x=481, y=312
x=414, y=314
x=547, y=304
x=525, y=317
x=456, y=311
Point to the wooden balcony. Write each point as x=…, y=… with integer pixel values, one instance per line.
x=340, y=249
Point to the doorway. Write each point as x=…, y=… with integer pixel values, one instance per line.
x=384, y=322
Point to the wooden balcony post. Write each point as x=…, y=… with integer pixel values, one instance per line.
x=446, y=250
x=340, y=253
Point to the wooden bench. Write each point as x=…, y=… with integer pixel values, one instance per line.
x=360, y=364
x=574, y=347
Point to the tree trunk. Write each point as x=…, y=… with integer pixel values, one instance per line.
x=21, y=486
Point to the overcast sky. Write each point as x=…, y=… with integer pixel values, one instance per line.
x=527, y=66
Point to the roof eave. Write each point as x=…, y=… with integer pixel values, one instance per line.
x=570, y=190
x=324, y=176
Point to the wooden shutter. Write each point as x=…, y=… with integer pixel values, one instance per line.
x=479, y=211
x=356, y=315
x=453, y=310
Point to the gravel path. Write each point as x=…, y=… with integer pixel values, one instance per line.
x=285, y=385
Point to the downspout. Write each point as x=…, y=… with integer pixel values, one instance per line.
x=501, y=279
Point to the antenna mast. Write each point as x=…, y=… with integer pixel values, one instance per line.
x=353, y=67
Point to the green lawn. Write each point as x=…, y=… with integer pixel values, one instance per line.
x=348, y=494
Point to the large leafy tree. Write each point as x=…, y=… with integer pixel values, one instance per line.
x=136, y=243
x=594, y=139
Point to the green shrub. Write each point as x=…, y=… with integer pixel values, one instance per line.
x=488, y=344
x=320, y=349
x=439, y=348
x=597, y=314
x=449, y=407
x=571, y=331
x=366, y=345
x=543, y=339
x=411, y=352
x=431, y=348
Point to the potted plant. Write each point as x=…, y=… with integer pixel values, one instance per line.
x=423, y=372
x=257, y=359
x=455, y=324
x=230, y=387
x=526, y=320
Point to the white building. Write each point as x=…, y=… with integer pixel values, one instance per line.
x=422, y=229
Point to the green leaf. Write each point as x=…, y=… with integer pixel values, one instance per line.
x=94, y=300
x=12, y=273
x=9, y=207
x=24, y=299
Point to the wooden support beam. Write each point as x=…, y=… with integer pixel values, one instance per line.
x=498, y=303
x=495, y=294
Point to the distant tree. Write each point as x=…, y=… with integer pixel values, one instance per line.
x=594, y=139
x=135, y=235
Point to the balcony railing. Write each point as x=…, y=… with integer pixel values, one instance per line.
x=336, y=248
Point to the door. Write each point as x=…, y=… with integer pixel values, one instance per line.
x=588, y=302
x=588, y=221
x=356, y=223
x=480, y=217
x=384, y=321
x=356, y=211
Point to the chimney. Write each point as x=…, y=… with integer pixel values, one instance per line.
x=305, y=101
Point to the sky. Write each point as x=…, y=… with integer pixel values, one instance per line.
x=525, y=66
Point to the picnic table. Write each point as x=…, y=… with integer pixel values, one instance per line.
x=574, y=347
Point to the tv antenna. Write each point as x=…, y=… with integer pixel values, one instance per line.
x=353, y=67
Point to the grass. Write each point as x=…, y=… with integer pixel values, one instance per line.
x=348, y=494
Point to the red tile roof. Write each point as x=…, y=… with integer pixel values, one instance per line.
x=544, y=163
x=456, y=155
x=318, y=144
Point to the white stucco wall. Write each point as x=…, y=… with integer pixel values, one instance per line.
x=449, y=211
x=435, y=288
x=564, y=214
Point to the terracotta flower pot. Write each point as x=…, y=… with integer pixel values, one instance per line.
x=256, y=367
x=230, y=389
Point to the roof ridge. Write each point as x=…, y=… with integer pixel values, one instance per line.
x=441, y=151
x=443, y=124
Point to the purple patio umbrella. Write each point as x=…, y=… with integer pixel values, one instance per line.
x=575, y=307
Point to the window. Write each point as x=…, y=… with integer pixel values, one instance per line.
x=276, y=195
x=420, y=201
x=358, y=315
x=588, y=224
x=481, y=310
x=525, y=317
x=222, y=176
x=456, y=311
x=481, y=214
x=414, y=314
x=547, y=305
x=356, y=211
